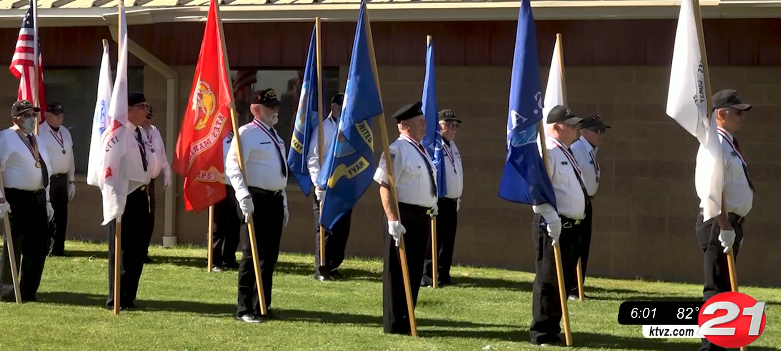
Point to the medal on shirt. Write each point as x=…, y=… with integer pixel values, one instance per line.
x=59, y=139
x=149, y=142
x=33, y=148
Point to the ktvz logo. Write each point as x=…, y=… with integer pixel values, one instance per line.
x=741, y=323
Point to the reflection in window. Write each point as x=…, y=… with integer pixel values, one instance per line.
x=287, y=84
x=76, y=89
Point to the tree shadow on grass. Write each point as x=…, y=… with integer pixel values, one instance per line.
x=347, y=318
x=99, y=301
x=182, y=261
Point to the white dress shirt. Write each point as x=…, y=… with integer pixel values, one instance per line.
x=586, y=155
x=454, y=170
x=260, y=153
x=18, y=164
x=226, y=146
x=134, y=164
x=329, y=128
x=738, y=195
x=570, y=200
x=155, y=148
x=413, y=183
x=56, y=142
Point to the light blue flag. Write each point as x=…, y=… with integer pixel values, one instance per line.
x=349, y=167
x=525, y=179
x=306, y=121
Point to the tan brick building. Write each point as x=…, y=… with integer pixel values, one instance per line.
x=646, y=206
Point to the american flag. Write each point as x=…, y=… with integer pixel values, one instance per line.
x=22, y=63
x=242, y=84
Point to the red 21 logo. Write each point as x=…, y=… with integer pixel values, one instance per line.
x=742, y=324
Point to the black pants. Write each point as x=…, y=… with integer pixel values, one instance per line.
x=135, y=228
x=58, y=193
x=717, y=278
x=268, y=216
x=335, y=241
x=29, y=224
x=395, y=318
x=546, y=305
x=583, y=246
x=227, y=224
x=447, y=221
x=150, y=193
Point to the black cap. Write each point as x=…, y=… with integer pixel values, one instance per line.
x=338, y=99
x=135, y=98
x=594, y=122
x=267, y=97
x=21, y=107
x=408, y=111
x=729, y=98
x=561, y=114
x=447, y=115
x=55, y=108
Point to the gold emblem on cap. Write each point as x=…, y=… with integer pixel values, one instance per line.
x=271, y=94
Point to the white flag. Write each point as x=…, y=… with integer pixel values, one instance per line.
x=554, y=91
x=687, y=104
x=122, y=170
x=99, y=123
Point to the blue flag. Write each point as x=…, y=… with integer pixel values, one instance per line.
x=306, y=121
x=433, y=139
x=349, y=167
x=525, y=179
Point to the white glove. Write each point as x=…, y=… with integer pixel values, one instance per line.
x=166, y=181
x=247, y=207
x=396, y=229
x=434, y=211
x=319, y=193
x=458, y=205
x=5, y=207
x=49, y=211
x=71, y=191
x=284, y=221
x=554, y=230
x=727, y=238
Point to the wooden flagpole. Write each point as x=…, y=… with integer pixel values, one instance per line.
x=434, y=258
x=9, y=246
x=250, y=221
x=318, y=38
x=392, y=187
x=118, y=221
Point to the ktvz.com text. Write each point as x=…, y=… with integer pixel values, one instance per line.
x=671, y=331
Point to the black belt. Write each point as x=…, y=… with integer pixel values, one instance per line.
x=59, y=175
x=733, y=217
x=447, y=199
x=428, y=210
x=264, y=192
x=24, y=192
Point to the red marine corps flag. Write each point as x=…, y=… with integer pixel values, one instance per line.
x=199, y=156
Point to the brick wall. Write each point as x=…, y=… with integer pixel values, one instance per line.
x=645, y=210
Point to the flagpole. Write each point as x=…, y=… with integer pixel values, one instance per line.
x=318, y=38
x=560, y=58
x=9, y=247
x=118, y=222
x=392, y=186
x=36, y=52
x=209, y=257
x=434, y=258
x=250, y=221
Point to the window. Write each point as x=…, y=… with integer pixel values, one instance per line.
x=287, y=84
x=76, y=89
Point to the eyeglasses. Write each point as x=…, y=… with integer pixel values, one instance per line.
x=596, y=130
x=451, y=125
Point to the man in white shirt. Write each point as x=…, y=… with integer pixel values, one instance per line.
x=724, y=232
x=336, y=239
x=25, y=167
x=59, y=145
x=592, y=130
x=226, y=222
x=416, y=190
x=448, y=206
x=261, y=195
x=561, y=224
x=158, y=163
x=135, y=220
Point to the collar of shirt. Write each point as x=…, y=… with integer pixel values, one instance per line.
x=264, y=124
x=587, y=145
x=724, y=132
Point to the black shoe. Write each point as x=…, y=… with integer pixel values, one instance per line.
x=322, y=277
x=58, y=254
x=335, y=274
x=216, y=269
x=248, y=318
x=29, y=299
x=147, y=259
x=231, y=265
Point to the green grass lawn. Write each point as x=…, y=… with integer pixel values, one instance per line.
x=185, y=308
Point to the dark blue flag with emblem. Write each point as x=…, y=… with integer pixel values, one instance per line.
x=525, y=179
x=433, y=139
x=306, y=121
x=349, y=166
